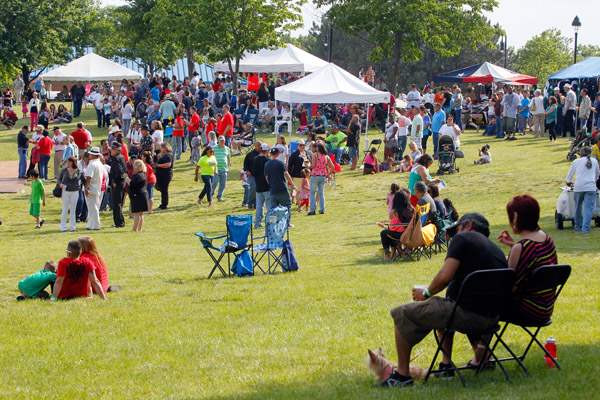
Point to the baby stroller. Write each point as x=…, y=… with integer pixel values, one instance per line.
x=446, y=155
x=583, y=139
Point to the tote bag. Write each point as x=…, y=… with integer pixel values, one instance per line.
x=412, y=236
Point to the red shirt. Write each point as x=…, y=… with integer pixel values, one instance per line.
x=194, y=123
x=178, y=127
x=216, y=86
x=76, y=274
x=125, y=152
x=150, y=175
x=99, y=267
x=81, y=138
x=45, y=146
x=223, y=123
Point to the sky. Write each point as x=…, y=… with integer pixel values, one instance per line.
x=521, y=19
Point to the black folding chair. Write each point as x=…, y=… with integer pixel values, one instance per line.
x=492, y=288
x=374, y=142
x=551, y=278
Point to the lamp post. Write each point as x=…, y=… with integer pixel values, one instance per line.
x=576, y=24
x=504, y=49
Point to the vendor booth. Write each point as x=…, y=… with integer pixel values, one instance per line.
x=584, y=74
x=91, y=68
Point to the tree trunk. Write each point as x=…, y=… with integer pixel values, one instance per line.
x=189, y=54
x=394, y=71
x=25, y=71
x=234, y=71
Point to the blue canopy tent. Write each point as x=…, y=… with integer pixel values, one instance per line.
x=584, y=74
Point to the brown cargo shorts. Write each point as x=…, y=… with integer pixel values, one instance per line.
x=415, y=320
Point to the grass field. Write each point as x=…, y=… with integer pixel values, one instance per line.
x=173, y=334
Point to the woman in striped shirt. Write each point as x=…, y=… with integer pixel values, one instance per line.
x=535, y=249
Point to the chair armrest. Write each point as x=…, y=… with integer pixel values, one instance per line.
x=203, y=236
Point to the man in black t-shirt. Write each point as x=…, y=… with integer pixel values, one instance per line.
x=250, y=188
x=470, y=250
x=278, y=179
x=262, y=186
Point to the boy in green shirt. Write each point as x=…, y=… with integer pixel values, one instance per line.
x=335, y=143
x=32, y=287
x=37, y=199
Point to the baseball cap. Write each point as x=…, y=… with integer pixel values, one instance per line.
x=264, y=147
x=221, y=138
x=301, y=142
x=115, y=145
x=274, y=150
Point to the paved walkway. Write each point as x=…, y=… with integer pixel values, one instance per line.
x=8, y=182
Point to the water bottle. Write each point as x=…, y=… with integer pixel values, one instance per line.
x=550, y=347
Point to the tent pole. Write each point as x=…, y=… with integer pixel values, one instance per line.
x=367, y=129
x=291, y=119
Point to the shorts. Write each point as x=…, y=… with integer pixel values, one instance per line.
x=35, y=209
x=415, y=320
x=150, y=190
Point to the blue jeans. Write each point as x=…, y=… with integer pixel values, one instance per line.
x=317, y=184
x=499, y=130
x=22, y=162
x=99, y=117
x=458, y=117
x=585, y=203
x=250, y=192
x=436, y=138
x=219, y=179
x=401, y=146
x=43, y=167
x=177, y=146
x=262, y=201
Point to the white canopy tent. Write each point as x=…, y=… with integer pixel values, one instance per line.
x=91, y=67
x=330, y=84
x=284, y=59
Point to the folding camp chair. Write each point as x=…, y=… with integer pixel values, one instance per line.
x=374, y=142
x=276, y=232
x=493, y=288
x=549, y=279
x=239, y=230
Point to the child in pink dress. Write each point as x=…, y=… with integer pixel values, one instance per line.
x=304, y=192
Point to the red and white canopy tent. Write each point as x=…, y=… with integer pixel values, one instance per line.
x=486, y=73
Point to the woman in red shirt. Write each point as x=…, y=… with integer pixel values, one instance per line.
x=44, y=146
x=90, y=253
x=402, y=212
x=150, y=178
x=178, y=134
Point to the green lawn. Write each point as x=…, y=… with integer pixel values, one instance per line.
x=173, y=334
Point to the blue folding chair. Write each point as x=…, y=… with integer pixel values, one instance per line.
x=276, y=232
x=239, y=238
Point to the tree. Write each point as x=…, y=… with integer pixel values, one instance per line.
x=588, y=50
x=235, y=26
x=544, y=54
x=401, y=31
x=35, y=34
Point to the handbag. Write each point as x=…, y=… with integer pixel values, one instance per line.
x=412, y=236
x=57, y=191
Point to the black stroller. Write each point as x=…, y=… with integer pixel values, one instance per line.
x=581, y=140
x=447, y=155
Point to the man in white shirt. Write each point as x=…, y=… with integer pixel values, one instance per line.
x=58, y=139
x=94, y=175
x=413, y=97
x=569, y=110
x=510, y=105
x=416, y=128
x=98, y=101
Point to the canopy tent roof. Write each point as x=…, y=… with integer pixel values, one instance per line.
x=330, y=84
x=284, y=59
x=485, y=73
x=588, y=68
x=91, y=67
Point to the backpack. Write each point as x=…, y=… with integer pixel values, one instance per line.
x=289, y=261
x=243, y=265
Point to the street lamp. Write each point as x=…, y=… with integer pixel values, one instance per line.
x=503, y=48
x=576, y=24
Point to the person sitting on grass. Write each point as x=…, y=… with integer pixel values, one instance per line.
x=33, y=286
x=414, y=153
x=37, y=200
x=406, y=165
x=485, y=157
x=402, y=212
x=370, y=163
x=89, y=252
x=75, y=276
x=470, y=250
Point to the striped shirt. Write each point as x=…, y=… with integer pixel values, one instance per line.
x=536, y=306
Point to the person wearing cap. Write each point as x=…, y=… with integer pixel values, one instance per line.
x=470, y=250
x=94, y=176
x=297, y=162
x=262, y=186
x=58, y=138
x=117, y=179
x=223, y=156
x=279, y=180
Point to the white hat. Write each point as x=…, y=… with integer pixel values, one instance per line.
x=264, y=147
x=94, y=151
